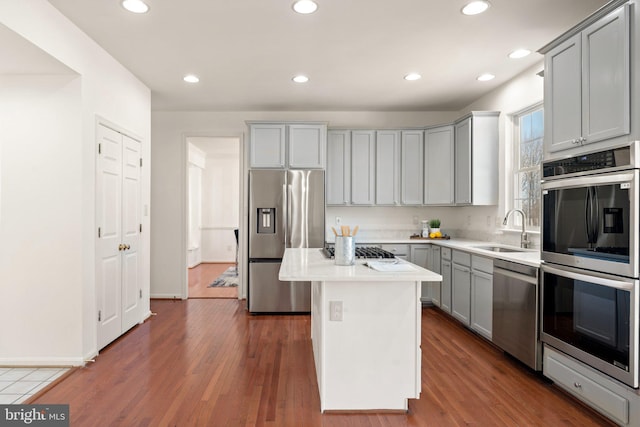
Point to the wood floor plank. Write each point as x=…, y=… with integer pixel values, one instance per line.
x=207, y=362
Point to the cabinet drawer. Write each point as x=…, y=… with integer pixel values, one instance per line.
x=482, y=264
x=397, y=250
x=446, y=253
x=462, y=258
x=592, y=390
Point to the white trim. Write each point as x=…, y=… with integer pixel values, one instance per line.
x=43, y=361
x=167, y=296
x=510, y=162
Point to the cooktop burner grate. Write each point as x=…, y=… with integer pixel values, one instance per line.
x=368, y=252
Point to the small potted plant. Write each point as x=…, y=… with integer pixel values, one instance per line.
x=434, y=225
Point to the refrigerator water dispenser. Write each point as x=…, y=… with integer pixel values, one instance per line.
x=266, y=221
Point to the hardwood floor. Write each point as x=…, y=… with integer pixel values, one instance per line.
x=202, y=275
x=206, y=362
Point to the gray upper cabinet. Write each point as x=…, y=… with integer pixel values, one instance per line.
x=412, y=167
x=387, y=167
x=476, y=159
x=439, y=166
x=267, y=145
x=363, y=143
x=283, y=145
x=587, y=84
x=338, y=167
x=307, y=146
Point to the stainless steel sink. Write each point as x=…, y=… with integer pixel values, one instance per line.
x=499, y=249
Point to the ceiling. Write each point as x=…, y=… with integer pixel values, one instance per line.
x=355, y=52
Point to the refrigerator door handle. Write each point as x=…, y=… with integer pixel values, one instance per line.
x=289, y=214
x=286, y=214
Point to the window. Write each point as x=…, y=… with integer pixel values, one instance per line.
x=527, y=156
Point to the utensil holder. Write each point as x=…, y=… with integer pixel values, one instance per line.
x=345, y=250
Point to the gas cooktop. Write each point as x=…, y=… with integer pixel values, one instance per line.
x=368, y=252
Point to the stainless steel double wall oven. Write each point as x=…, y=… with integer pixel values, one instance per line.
x=590, y=257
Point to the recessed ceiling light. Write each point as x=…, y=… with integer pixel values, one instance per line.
x=519, y=53
x=300, y=79
x=476, y=7
x=486, y=77
x=135, y=6
x=305, y=6
x=412, y=76
x=191, y=78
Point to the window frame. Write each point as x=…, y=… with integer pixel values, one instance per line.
x=513, y=169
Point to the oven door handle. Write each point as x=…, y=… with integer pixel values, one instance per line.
x=617, y=284
x=587, y=181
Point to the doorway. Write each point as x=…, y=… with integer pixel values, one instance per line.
x=213, y=216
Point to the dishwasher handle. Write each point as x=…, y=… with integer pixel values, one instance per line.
x=515, y=275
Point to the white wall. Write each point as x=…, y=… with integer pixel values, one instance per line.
x=221, y=202
x=40, y=209
x=106, y=89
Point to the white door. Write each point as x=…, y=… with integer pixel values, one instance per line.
x=131, y=263
x=118, y=220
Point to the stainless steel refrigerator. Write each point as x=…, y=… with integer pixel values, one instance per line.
x=286, y=210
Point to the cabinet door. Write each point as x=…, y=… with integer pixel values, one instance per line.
x=307, y=146
x=563, y=95
x=267, y=146
x=445, y=294
x=362, y=167
x=387, y=167
x=435, y=266
x=461, y=293
x=338, y=167
x=463, y=162
x=412, y=167
x=421, y=255
x=605, y=83
x=482, y=303
x=439, y=166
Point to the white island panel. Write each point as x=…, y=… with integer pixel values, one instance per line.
x=371, y=359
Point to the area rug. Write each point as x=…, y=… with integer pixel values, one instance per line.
x=228, y=278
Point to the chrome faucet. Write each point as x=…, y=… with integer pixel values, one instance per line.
x=524, y=237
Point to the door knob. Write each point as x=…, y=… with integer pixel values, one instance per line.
x=128, y=247
x=121, y=247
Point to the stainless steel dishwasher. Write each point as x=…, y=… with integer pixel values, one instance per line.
x=515, y=311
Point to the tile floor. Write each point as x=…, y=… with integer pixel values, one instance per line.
x=19, y=384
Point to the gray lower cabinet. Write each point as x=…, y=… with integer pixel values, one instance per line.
x=445, y=286
x=461, y=287
x=482, y=295
x=587, y=84
x=597, y=390
x=387, y=167
x=423, y=255
x=338, y=176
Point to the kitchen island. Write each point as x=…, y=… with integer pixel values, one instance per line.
x=365, y=330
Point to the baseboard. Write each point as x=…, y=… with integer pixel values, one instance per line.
x=165, y=296
x=43, y=362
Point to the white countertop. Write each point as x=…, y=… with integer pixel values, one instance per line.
x=529, y=257
x=311, y=264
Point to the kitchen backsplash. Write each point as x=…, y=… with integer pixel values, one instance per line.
x=384, y=223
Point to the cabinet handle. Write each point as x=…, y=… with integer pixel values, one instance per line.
x=575, y=141
x=577, y=385
x=583, y=140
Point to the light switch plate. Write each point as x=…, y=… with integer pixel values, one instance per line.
x=335, y=311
